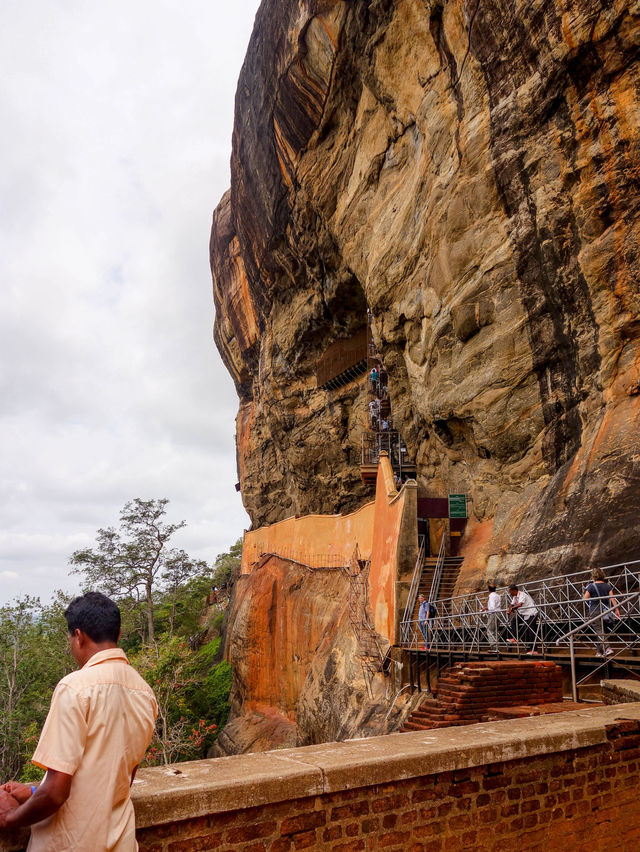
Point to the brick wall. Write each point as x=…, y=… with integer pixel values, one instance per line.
x=582, y=799
x=620, y=691
x=566, y=782
x=470, y=692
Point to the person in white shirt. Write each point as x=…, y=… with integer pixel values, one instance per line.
x=525, y=618
x=374, y=412
x=494, y=605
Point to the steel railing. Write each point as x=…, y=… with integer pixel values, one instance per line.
x=437, y=571
x=413, y=589
x=460, y=624
x=604, y=619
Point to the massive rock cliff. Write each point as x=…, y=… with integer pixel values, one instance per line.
x=300, y=671
x=469, y=171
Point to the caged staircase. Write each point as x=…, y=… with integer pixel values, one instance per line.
x=435, y=577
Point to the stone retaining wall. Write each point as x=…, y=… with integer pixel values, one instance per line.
x=561, y=783
x=620, y=691
x=470, y=692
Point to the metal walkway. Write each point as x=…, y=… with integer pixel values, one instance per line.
x=564, y=629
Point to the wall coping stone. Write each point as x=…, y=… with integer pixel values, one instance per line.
x=198, y=788
x=167, y=794
x=629, y=689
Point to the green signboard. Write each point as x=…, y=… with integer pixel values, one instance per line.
x=457, y=505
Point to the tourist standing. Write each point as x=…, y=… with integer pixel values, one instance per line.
x=600, y=598
x=425, y=612
x=494, y=606
x=525, y=617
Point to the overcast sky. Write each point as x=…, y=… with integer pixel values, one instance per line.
x=115, y=148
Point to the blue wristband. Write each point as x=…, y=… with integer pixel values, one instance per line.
x=33, y=789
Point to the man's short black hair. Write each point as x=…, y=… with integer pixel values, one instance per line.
x=96, y=615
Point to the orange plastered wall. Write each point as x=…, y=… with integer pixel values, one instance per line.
x=311, y=537
x=375, y=529
x=387, y=523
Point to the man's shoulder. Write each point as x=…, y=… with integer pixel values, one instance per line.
x=115, y=672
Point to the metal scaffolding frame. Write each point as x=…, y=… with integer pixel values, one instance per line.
x=564, y=619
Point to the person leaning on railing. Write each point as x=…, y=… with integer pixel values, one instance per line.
x=599, y=597
x=525, y=616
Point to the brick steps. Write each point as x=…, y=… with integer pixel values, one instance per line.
x=483, y=691
x=525, y=711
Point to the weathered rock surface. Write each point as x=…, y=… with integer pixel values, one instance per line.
x=469, y=169
x=298, y=676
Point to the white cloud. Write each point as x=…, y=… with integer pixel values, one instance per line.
x=117, y=127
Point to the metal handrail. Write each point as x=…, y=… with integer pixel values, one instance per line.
x=460, y=623
x=413, y=588
x=437, y=571
x=600, y=616
x=533, y=586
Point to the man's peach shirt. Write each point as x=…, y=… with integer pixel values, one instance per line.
x=99, y=726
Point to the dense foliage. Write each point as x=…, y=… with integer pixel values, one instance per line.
x=171, y=633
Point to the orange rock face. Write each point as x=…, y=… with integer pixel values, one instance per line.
x=298, y=674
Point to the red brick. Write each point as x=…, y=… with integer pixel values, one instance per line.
x=493, y=783
x=250, y=832
x=488, y=815
x=510, y=810
x=423, y=795
x=389, y=820
x=332, y=833
x=370, y=825
x=458, y=822
x=349, y=795
x=303, y=822
x=282, y=844
x=393, y=839
x=428, y=814
x=389, y=803
x=352, y=830
x=196, y=844
x=304, y=840
x=353, y=810
x=466, y=788
x=352, y=846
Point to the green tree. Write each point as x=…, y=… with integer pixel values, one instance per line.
x=192, y=694
x=32, y=660
x=181, y=573
x=135, y=560
x=226, y=568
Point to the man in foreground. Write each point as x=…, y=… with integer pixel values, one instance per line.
x=99, y=726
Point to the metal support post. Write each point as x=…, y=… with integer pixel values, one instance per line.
x=574, y=687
